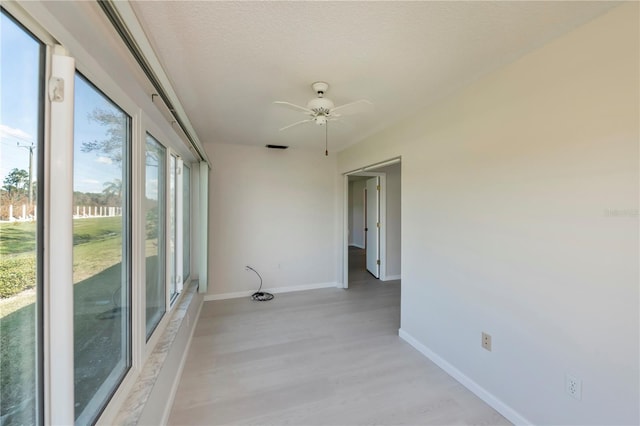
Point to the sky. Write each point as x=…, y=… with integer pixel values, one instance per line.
x=19, y=55
x=19, y=71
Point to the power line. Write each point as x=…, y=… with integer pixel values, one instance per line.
x=16, y=137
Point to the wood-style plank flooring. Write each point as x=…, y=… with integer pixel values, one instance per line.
x=319, y=357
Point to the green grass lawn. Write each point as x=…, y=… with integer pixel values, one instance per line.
x=97, y=314
x=20, y=237
x=97, y=246
x=17, y=237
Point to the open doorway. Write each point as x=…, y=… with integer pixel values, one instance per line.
x=372, y=224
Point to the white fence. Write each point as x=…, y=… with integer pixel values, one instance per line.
x=22, y=213
x=95, y=211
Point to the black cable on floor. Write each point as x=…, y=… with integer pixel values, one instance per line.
x=260, y=296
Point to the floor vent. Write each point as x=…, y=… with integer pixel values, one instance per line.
x=277, y=146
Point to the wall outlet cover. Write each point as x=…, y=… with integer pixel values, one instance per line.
x=486, y=341
x=573, y=386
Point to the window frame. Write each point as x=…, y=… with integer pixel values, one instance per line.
x=127, y=253
x=160, y=137
x=148, y=126
x=39, y=36
x=186, y=272
x=164, y=238
x=174, y=278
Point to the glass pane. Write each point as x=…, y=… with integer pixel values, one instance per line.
x=100, y=249
x=173, y=176
x=155, y=248
x=186, y=222
x=20, y=233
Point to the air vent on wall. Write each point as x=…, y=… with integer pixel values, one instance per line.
x=277, y=146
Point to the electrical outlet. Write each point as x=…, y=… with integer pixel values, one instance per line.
x=573, y=386
x=486, y=341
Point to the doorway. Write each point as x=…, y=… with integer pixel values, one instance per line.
x=372, y=216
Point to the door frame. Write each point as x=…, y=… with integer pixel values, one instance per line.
x=383, y=224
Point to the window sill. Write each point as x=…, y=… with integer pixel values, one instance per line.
x=133, y=409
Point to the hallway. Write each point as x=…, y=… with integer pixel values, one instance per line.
x=358, y=267
x=319, y=357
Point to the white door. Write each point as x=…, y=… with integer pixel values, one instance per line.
x=372, y=226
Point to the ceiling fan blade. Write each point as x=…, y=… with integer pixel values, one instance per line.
x=294, y=107
x=295, y=124
x=356, y=107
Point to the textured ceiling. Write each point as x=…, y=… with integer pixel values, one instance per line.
x=228, y=61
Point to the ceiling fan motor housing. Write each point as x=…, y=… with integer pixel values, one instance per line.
x=321, y=106
x=320, y=87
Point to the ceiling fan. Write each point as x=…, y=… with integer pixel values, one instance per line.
x=321, y=110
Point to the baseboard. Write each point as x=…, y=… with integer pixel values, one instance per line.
x=512, y=415
x=176, y=382
x=275, y=290
x=224, y=296
x=357, y=245
x=392, y=277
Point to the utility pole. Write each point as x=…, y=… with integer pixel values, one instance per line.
x=30, y=148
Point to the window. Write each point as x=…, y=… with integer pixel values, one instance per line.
x=186, y=222
x=101, y=252
x=173, y=228
x=21, y=124
x=155, y=248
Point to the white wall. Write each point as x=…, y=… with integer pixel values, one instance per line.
x=274, y=210
x=520, y=218
x=356, y=213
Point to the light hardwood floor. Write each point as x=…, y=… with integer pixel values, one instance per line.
x=319, y=357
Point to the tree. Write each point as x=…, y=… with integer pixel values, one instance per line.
x=113, y=190
x=112, y=145
x=16, y=181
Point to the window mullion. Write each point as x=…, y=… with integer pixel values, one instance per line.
x=59, y=371
x=138, y=299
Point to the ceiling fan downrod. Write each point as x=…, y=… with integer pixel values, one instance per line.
x=326, y=139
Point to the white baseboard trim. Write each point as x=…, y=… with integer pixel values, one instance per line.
x=360, y=246
x=275, y=290
x=512, y=415
x=392, y=277
x=224, y=296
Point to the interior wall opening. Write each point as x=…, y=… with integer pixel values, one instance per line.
x=372, y=237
